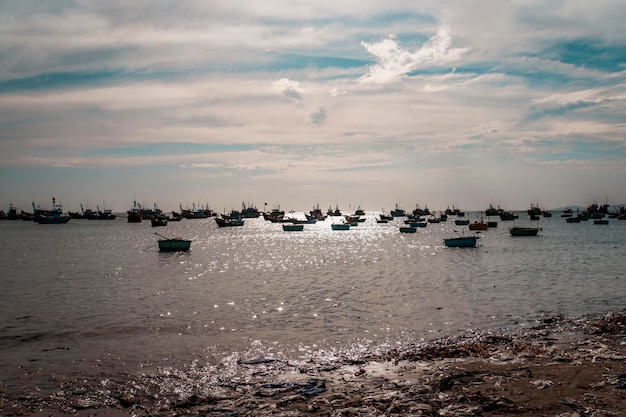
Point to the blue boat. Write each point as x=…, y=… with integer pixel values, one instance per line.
x=174, y=245
x=54, y=216
x=340, y=226
x=524, y=231
x=293, y=227
x=461, y=242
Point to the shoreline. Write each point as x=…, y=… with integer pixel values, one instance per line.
x=562, y=366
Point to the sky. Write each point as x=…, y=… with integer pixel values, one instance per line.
x=296, y=103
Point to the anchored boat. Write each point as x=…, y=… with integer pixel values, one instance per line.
x=524, y=231
x=173, y=245
x=461, y=242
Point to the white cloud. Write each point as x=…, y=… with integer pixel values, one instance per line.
x=289, y=88
x=394, y=61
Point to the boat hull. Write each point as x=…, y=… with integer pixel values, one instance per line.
x=408, y=229
x=52, y=219
x=345, y=226
x=524, y=231
x=224, y=222
x=174, y=245
x=461, y=242
x=293, y=227
x=478, y=226
x=158, y=221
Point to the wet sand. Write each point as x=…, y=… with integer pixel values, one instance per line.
x=561, y=367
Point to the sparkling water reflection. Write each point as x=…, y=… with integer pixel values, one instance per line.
x=88, y=293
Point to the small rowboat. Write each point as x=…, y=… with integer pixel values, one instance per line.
x=524, y=231
x=461, y=242
x=173, y=245
x=293, y=227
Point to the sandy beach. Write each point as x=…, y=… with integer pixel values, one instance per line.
x=561, y=367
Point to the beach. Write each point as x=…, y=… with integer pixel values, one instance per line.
x=560, y=367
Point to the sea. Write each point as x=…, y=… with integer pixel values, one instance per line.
x=96, y=301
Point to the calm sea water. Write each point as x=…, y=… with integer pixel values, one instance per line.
x=98, y=298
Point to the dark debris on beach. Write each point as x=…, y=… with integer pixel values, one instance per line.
x=560, y=367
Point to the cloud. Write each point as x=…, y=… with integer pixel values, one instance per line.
x=318, y=117
x=288, y=88
x=394, y=61
x=111, y=87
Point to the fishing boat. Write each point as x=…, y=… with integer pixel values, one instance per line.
x=158, y=220
x=12, y=213
x=407, y=229
x=421, y=212
x=454, y=211
x=308, y=220
x=335, y=213
x=54, y=216
x=106, y=214
x=355, y=219
x=316, y=213
x=524, y=231
x=492, y=211
x=461, y=222
x=461, y=242
x=568, y=212
x=173, y=245
x=293, y=227
x=249, y=211
x=76, y=215
x=27, y=217
x=478, y=225
x=134, y=214
x=534, y=210
x=195, y=213
x=275, y=216
x=398, y=212
x=340, y=226
x=385, y=216
x=508, y=216
x=228, y=221
x=176, y=217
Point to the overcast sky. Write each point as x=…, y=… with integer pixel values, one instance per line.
x=295, y=103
